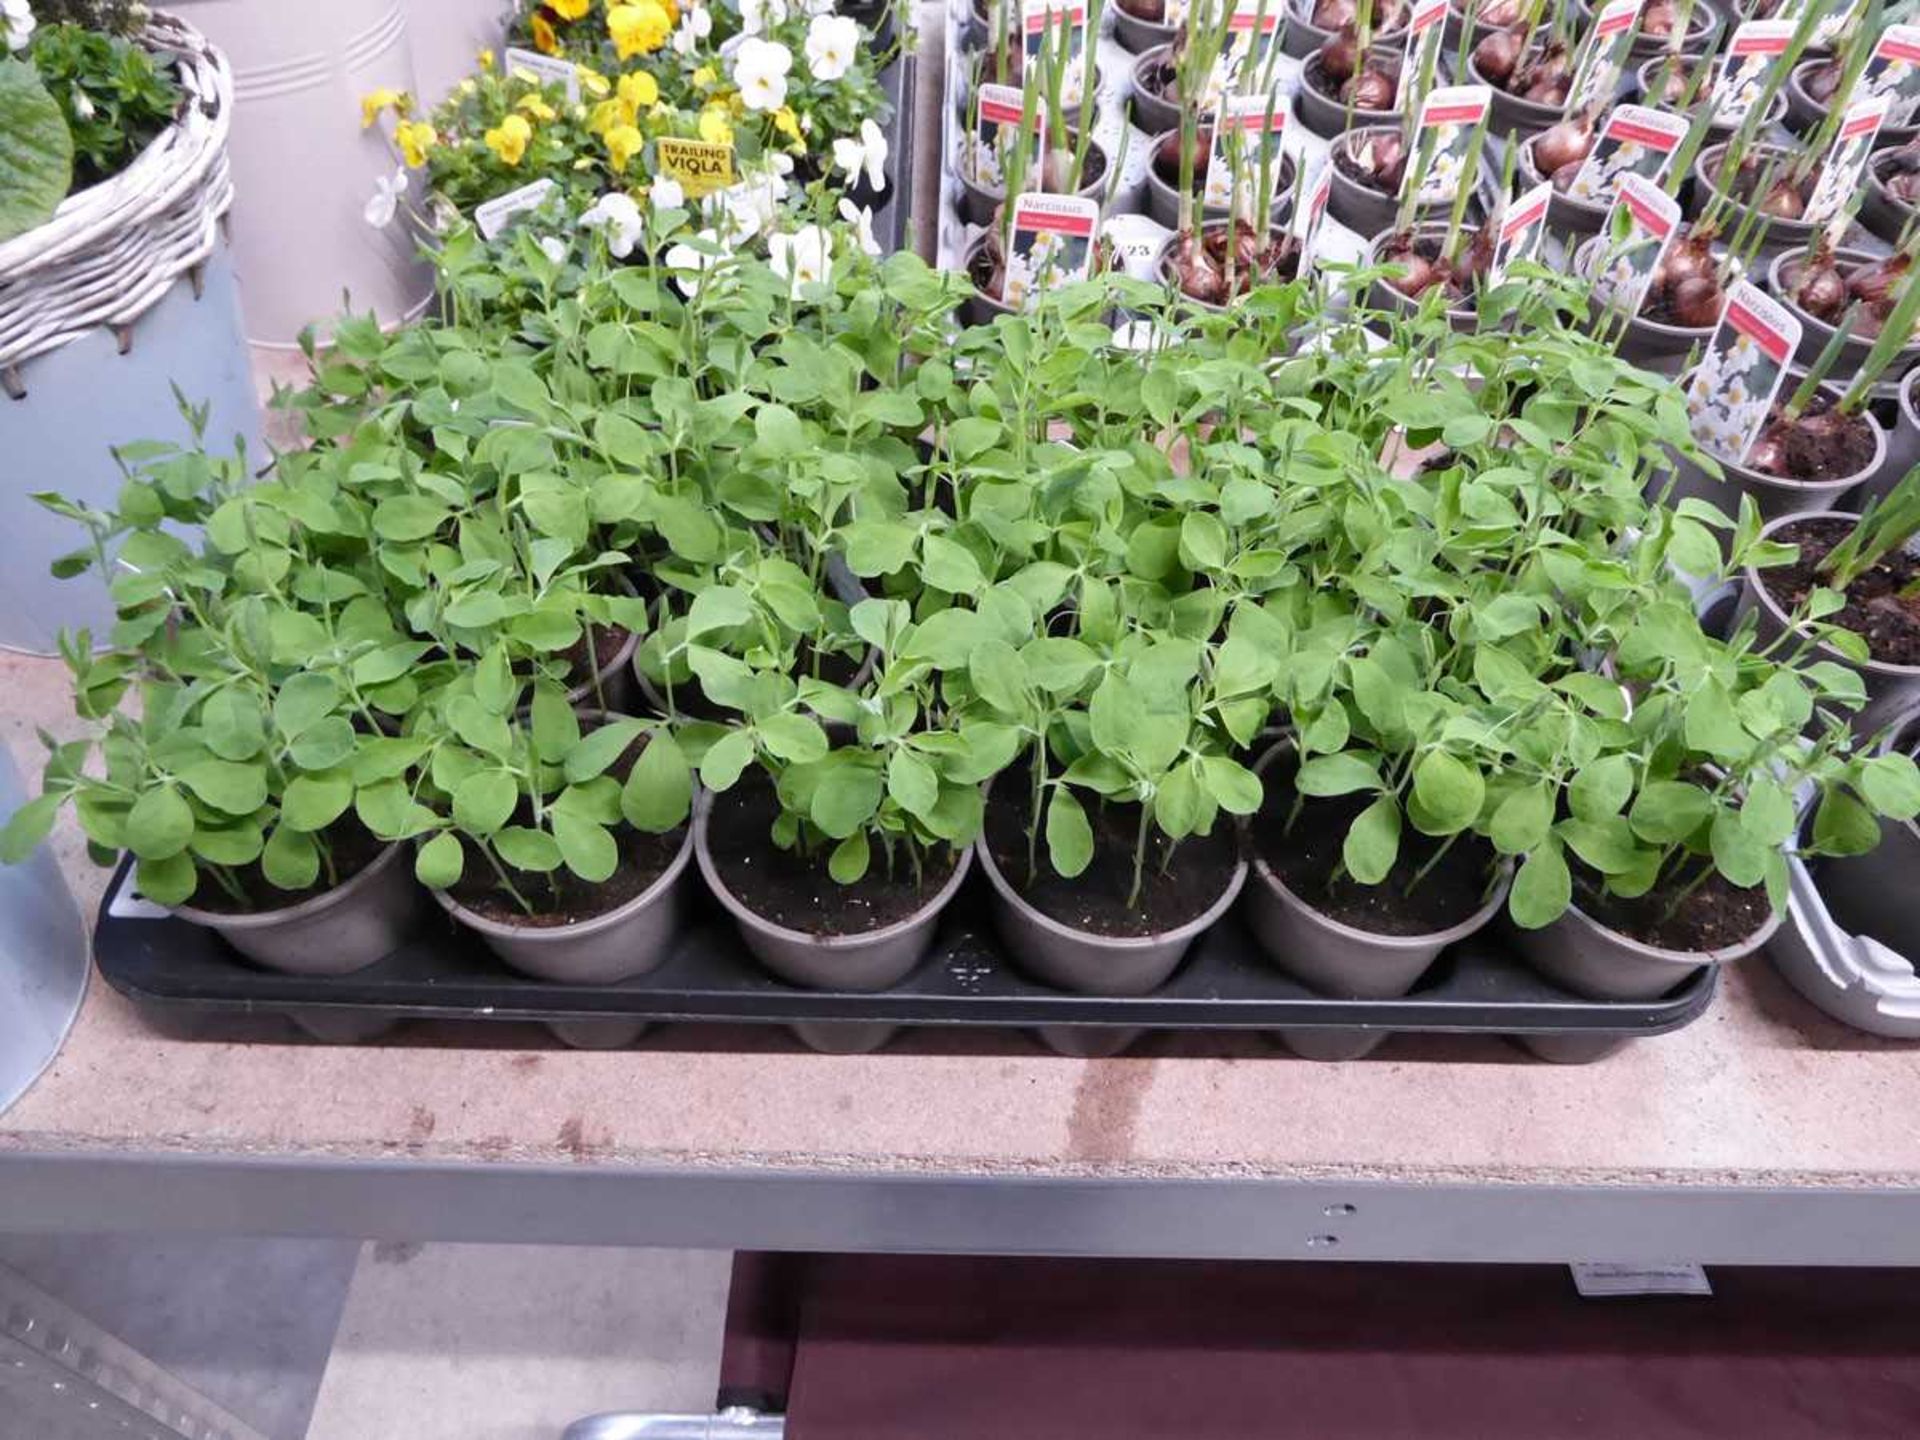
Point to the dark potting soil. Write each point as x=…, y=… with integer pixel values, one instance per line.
x=1151, y=12
x=1307, y=860
x=561, y=897
x=1874, y=610
x=1161, y=78
x=607, y=641
x=1348, y=166
x=1180, y=882
x=1817, y=446
x=793, y=889
x=348, y=843
x=1717, y=916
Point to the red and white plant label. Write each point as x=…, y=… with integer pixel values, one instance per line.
x=1426, y=28
x=1603, y=55
x=1638, y=230
x=1443, y=139
x=1893, y=70
x=1047, y=23
x=1244, y=148
x=1634, y=141
x=1523, y=225
x=1002, y=110
x=1733, y=387
x=1247, y=62
x=1751, y=55
x=1052, y=245
x=1846, y=158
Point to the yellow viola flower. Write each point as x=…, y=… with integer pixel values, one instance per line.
x=544, y=40
x=415, y=138
x=570, y=9
x=593, y=83
x=786, y=122
x=638, y=28
x=485, y=57
x=623, y=143
x=639, y=90
x=508, y=140
x=537, y=107
x=705, y=77
x=715, y=127
x=378, y=102
x=607, y=114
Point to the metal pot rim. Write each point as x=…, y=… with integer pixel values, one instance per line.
x=579, y=929
x=1682, y=959
x=304, y=910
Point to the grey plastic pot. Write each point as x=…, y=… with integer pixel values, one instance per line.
x=1335, y=958
x=631, y=940
x=1580, y=954
x=1152, y=114
x=1878, y=894
x=1165, y=273
x=1883, y=213
x=1382, y=296
x=1457, y=21
x=1163, y=200
x=1326, y=114
x=1815, y=333
x=1892, y=690
x=1804, y=113
x=1082, y=961
x=1903, y=444
x=346, y=929
x=1576, y=219
x=1774, y=235
x=1703, y=32
x=872, y=960
x=1300, y=37
x=1650, y=344
x=1362, y=209
x=980, y=203
x=1138, y=36
x=1643, y=89
x=1513, y=117
x=1776, y=498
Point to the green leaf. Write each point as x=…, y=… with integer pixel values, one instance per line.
x=1841, y=826
x=912, y=783
x=233, y=726
x=1522, y=820
x=36, y=151
x=719, y=607
x=160, y=824
x=658, y=794
x=28, y=826
x=846, y=800
x=525, y=849
x=1380, y=698
x=793, y=737
x=946, y=638
x=588, y=849
x=1891, y=784
x=1059, y=664
x=1340, y=774
x=325, y=745
x=948, y=565
x=484, y=802
x=236, y=845
x=1602, y=788
x=1542, y=889
x=406, y=518
x=599, y=749
x=290, y=860
x=553, y=725
x=1737, y=855
x=999, y=676
x=1668, y=811
x=1768, y=812
x=725, y=759
x=1235, y=789
x=1449, y=790
x=1373, y=842
x=1605, y=844
x=1179, y=804
x=313, y=802
x=440, y=862
x=1203, y=541
x=850, y=858
x=225, y=785
x=1712, y=726
x=165, y=882
x=303, y=701
x=1069, y=836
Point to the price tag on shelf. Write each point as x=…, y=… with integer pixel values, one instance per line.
x=1601, y=1280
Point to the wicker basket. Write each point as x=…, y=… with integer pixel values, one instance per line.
x=112, y=250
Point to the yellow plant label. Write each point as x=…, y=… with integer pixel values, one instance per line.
x=700, y=166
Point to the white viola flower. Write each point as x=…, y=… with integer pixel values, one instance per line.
x=384, y=203
x=666, y=193
x=759, y=15
x=617, y=216
x=555, y=249
x=805, y=257
x=690, y=264
x=867, y=153
x=760, y=72
x=695, y=26
x=816, y=7
x=17, y=23
x=82, y=105
x=750, y=207
x=861, y=218
x=833, y=41
x=781, y=163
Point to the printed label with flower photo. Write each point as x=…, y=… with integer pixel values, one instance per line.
x=1442, y=139
x=1046, y=25
x=1603, y=55
x=1637, y=232
x=1751, y=55
x=1523, y=226
x=1426, y=30
x=1052, y=245
x=1002, y=110
x=1846, y=158
x=1248, y=62
x=1247, y=130
x=1894, y=71
x=1734, y=385
x=1831, y=25
x=1634, y=141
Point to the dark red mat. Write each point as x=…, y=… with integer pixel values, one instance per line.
x=936, y=1348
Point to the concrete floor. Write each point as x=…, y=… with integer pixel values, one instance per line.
x=337, y=1341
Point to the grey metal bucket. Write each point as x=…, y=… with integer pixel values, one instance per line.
x=43, y=955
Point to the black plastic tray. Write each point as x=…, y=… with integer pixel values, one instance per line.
x=1224, y=984
x=893, y=219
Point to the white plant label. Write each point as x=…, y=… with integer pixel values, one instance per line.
x=1603, y=56
x=1001, y=112
x=492, y=217
x=1052, y=246
x=1894, y=71
x=1137, y=242
x=1752, y=53
x=1830, y=28
x=1734, y=385
x=1634, y=141
x=1443, y=138
x=1603, y=1280
x=1247, y=62
x=547, y=69
x=1247, y=131
x=1426, y=28
x=1638, y=230
x=1522, y=228
x=1045, y=24
x=1846, y=159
